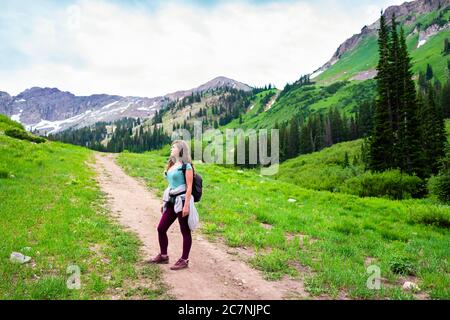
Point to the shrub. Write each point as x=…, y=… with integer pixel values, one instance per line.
x=4, y=174
x=390, y=183
x=432, y=215
x=333, y=88
x=23, y=135
x=402, y=266
x=439, y=186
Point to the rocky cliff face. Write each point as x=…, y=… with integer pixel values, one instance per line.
x=5, y=102
x=406, y=13
x=51, y=104
x=50, y=110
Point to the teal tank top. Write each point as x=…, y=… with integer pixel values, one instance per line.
x=175, y=176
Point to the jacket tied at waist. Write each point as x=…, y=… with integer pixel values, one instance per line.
x=177, y=196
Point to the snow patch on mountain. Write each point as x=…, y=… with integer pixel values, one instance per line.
x=54, y=126
x=109, y=105
x=16, y=117
x=149, y=108
x=421, y=43
x=317, y=73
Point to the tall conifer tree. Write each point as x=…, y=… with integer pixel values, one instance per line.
x=411, y=154
x=380, y=150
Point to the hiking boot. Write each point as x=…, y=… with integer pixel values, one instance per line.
x=181, y=264
x=159, y=259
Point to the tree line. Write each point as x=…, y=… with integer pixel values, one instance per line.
x=303, y=135
x=125, y=134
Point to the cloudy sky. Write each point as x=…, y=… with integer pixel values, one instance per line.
x=150, y=48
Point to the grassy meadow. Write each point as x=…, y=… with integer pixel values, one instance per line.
x=52, y=210
x=326, y=238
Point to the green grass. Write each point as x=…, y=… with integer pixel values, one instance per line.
x=430, y=53
x=51, y=205
x=323, y=170
x=331, y=234
x=363, y=57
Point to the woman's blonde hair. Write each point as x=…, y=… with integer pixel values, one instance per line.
x=185, y=153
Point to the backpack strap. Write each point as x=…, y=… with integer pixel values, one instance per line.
x=183, y=168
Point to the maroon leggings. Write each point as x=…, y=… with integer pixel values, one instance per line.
x=168, y=218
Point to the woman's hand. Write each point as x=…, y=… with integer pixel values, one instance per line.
x=161, y=210
x=185, y=211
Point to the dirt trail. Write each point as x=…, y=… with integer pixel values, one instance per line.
x=213, y=272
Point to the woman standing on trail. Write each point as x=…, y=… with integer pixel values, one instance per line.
x=178, y=202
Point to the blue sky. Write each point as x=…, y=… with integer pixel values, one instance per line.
x=150, y=48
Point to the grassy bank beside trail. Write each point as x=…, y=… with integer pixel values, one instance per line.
x=52, y=210
x=327, y=238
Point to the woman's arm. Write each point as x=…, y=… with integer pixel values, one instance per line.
x=189, y=181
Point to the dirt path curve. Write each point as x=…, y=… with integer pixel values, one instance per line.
x=213, y=273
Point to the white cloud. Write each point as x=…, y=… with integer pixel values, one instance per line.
x=98, y=47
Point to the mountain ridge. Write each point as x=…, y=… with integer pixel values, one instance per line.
x=51, y=110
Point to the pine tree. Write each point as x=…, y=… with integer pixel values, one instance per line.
x=293, y=138
x=285, y=138
x=445, y=100
x=433, y=133
x=364, y=120
x=346, y=163
x=441, y=137
x=395, y=79
x=423, y=84
x=380, y=150
x=411, y=155
x=328, y=139
x=353, y=129
x=429, y=73
x=446, y=50
x=355, y=160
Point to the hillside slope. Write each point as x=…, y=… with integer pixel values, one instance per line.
x=426, y=25
x=303, y=100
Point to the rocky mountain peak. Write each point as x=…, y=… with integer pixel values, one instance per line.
x=216, y=83
x=223, y=82
x=406, y=13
